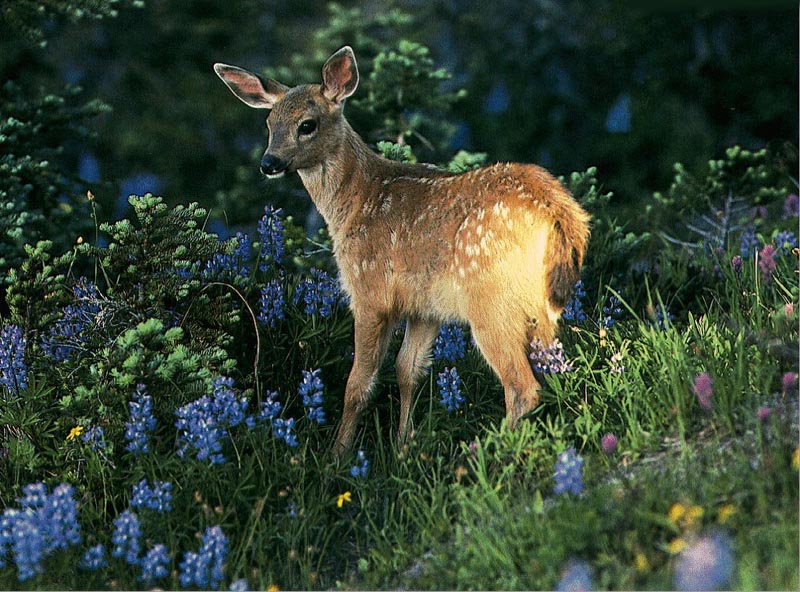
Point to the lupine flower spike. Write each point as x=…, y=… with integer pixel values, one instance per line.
x=450, y=389
x=568, y=472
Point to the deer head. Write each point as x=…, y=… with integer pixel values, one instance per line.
x=305, y=122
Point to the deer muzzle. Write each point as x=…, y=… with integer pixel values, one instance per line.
x=273, y=166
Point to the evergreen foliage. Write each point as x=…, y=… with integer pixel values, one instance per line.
x=37, y=190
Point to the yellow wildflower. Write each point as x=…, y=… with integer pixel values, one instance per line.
x=75, y=432
x=693, y=515
x=725, y=512
x=676, y=545
x=641, y=562
x=342, y=498
x=796, y=459
x=273, y=588
x=685, y=516
x=676, y=512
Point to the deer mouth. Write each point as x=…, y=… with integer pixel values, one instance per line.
x=274, y=168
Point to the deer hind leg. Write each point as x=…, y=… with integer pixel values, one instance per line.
x=506, y=346
x=371, y=339
x=412, y=360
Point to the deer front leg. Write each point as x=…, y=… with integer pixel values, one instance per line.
x=371, y=339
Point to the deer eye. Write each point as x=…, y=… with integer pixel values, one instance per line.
x=307, y=127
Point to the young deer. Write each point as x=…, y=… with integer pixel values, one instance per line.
x=499, y=247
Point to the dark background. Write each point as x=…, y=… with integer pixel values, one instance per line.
x=567, y=84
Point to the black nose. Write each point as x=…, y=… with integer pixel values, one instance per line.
x=272, y=165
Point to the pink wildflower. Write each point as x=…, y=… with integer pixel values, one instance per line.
x=704, y=389
x=789, y=382
x=764, y=412
x=609, y=443
x=766, y=262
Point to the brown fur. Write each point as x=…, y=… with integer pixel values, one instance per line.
x=498, y=248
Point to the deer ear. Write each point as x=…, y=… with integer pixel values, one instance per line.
x=340, y=75
x=251, y=89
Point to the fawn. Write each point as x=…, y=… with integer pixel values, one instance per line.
x=499, y=247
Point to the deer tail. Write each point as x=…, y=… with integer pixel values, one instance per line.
x=565, y=249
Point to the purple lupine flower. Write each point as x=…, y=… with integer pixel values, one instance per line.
x=231, y=266
x=154, y=564
x=198, y=431
x=573, y=312
x=239, y=585
x=748, y=243
x=127, y=537
x=609, y=443
x=450, y=345
x=44, y=523
x=736, y=264
x=270, y=407
x=203, y=424
x=205, y=569
x=95, y=438
x=612, y=312
x=158, y=497
x=69, y=333
x=706, y=564
x=310, y=390
x=231, y=409
x=568, y=472
x=704, y=389
x=140, y=423
x=664, y=318
x=790, y=206
x=549, y=360
x=35, y=495
x=13, y=370
x=59, y=514
x=21, y=534
x=320, y=293
x=449, y=384
x=766, y=263
x=282, y=430
x=576, y=577
x=270, y=237
x=359, y=470
x=94, y=558
x=271, y=304
x=785, y=242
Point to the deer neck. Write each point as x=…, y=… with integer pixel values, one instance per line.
x=339, y=185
